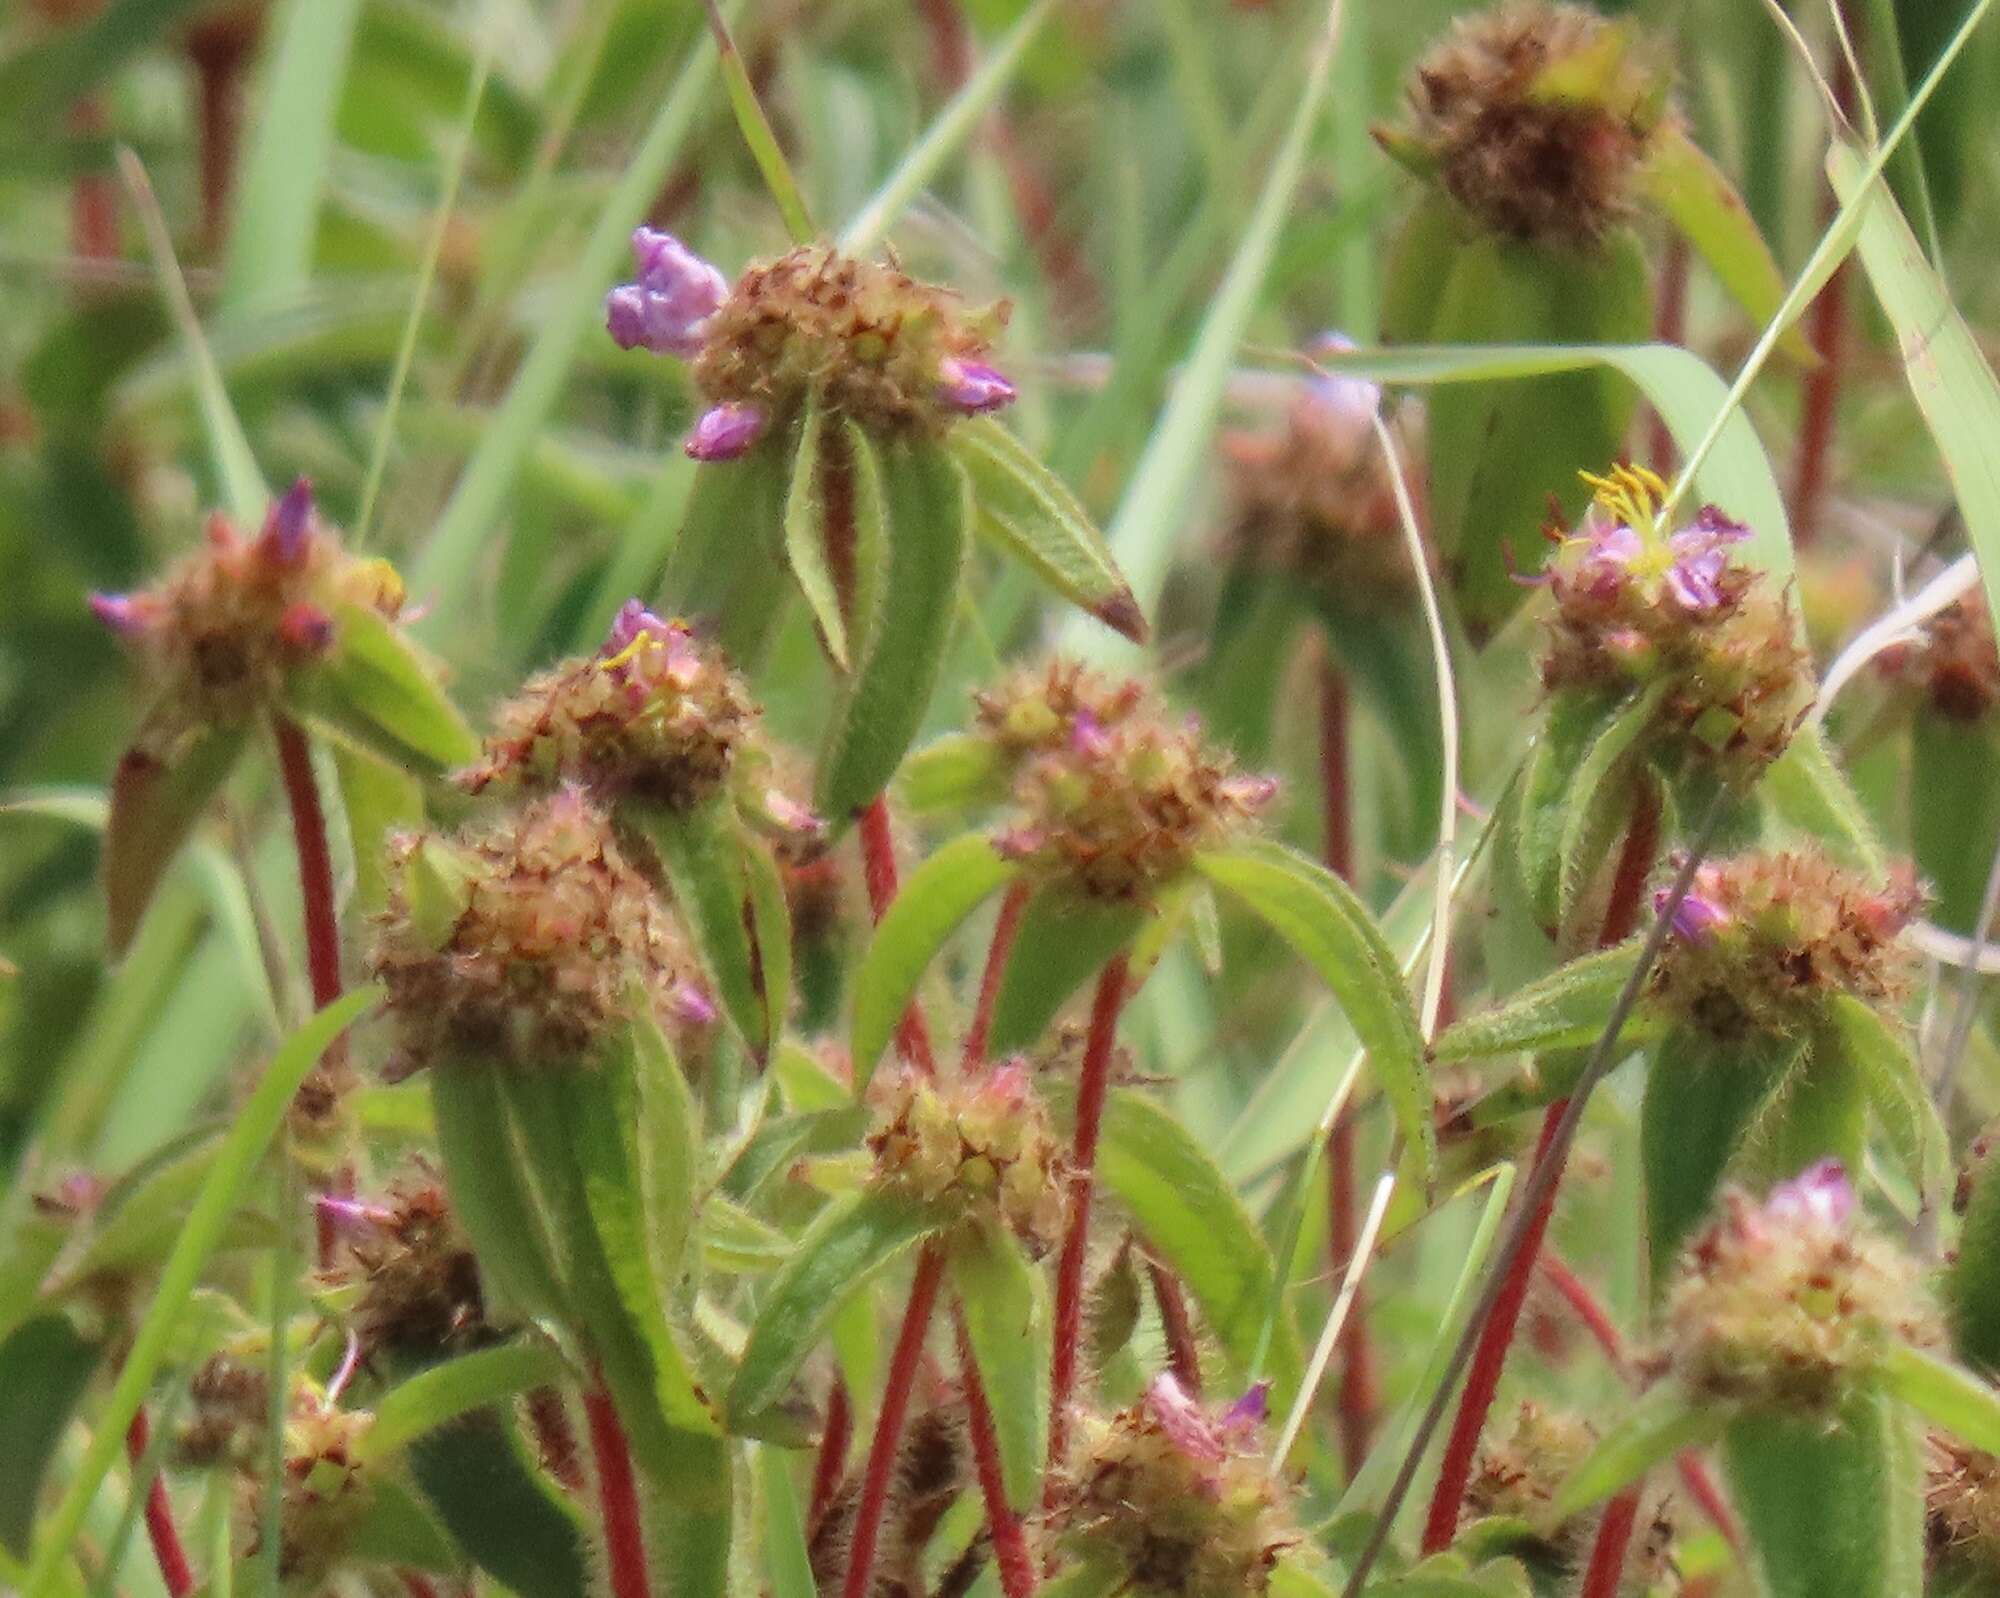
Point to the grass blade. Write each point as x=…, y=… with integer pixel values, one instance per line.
x=757, y=134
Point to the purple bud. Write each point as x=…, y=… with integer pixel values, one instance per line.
x=305, y=629
x=289, y=525
x=1351, y=399
x=127, y=615
x=972, y=386
x=1181, y=1419
x=667, y=309
x=352, y=1212
x=633, y=618
x=725, y=432
x=1087, y=736
x=1248, y=1412
x=1819, y=1196
x=1695, y=918
x=691, y=1006
x=1248, y=791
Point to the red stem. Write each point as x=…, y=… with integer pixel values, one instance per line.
x=896, y=1389
x=1004, y=927
x=219, y=50
x=315, y=862
x=618, y=1496
x=1606, y=1569
x=1827, y=329
x=93, y=196
x=878, y=870
x=832, y=1458
x=175, y=1572
x=418, y=1585
x=1183, y=1353
x=1090, y=1091
x=1010, y=1543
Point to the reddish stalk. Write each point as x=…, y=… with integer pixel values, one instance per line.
x=878, y=870
x=219, y=49
x=1096, y=1075
x=831, y=1460
x=1601, y=1577
x=902, y=1377
x=1669, y=327
x=1183, y=1353
x=1004, y=927
x=418, y=1585
x=618, y=1497
x=555, y=1438
x=93, y=196
x=1826, y=328
x=175, y=1572
x=1010, y=1543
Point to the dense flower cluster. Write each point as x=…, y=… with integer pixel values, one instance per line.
x=414, y=1279
x=527, y=940
x=1534, y=118
x=1641, y=608
x=1962, y=1497
x=972, y=1146
x=1519, y=1468
x=1183, y=1496
x=1036, y=710
x=223, y=629
x=1763, y=940
x=655, y=714
x=863, y=338
x=1117, y=809
x=1789, y=1303
x=1957, y=666
x=327, y=1488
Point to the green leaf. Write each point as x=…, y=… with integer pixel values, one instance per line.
x=731, y=541
x=487, y=1177
x=1808, y=791
x=1972, y=1283
x=1029, y=512
x=1567, y=1009
x=376, y=691
x=1572, y=728
x=444, y=1393
x=207, y=1219
x=787, y=1561
x=957, y=772
x=1665, y=1419
x=1679, y=178
x=661, y=1128
x=701, y=852
x=45, y=1369
x=377, y=800
x=771, y=929
x=926, y=498
x=1333, y=932
x=850, y=1242
x=1004, y=1301
x=154, y=806
x=493, y=1500
x=1062, y=940
x=1702, y=1097
x=805, y=526
x=1819, y=1112
x=757, y=134
x=933, y=904
x=1894, y=1084
x=1955, y=814
x=1600, y=809
x=1832, y=1504
x=736, y=1243
x=1951, y=1399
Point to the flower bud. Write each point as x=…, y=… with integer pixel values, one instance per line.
x=666, y=310
x=972, y=386
x=726, y=431
x=326, y=1489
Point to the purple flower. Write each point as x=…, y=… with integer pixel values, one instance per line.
x=127, y=615
x=1819, y=1196
x=690, y=1005
x=1181, y=1420
x=972, y=386
x=666, y=310
x=725, y=432
x=1608, y=551
x=633, y=618
x=1700, y=556
x=1695, y=918
x=1351, y=399
x=288, y=525
x=1087, y=736
x=1242, y=1418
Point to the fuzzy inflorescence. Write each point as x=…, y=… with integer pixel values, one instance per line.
x=1037, y=709
x=1535, y=118
x=1521, y=1466
x=327, y=1489
x=415, y=1279
x=1763, y=940
x=1182, y=1495
x=973, y=1146
x=222, y=631
x=1962, y=1499
x=1641, y=607
x=528, y=940
x=655, y=714
x=1118, y=809
x=1790, y=1303
x=1957, y=667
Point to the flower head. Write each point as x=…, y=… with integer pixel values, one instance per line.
x=527, y=941
x=1184, y=1496
x=327, y=1488
x=228, y=1407
x=974, y=1145
x=411, y=1271
x=655, y=713
x=1763, y=940
x=1521, y=1465
x=1788, y=1302
x=667, y=307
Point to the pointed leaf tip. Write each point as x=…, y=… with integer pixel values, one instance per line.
x=1121, y=613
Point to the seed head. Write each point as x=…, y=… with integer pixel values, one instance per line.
x=1789, y=1303
x=655, y=714
x=1763, y=940
x=1534, y=118
x=1183, y=1494
x=1519, y=1469
x=412, y=1269
x=1638, y=606
x=866, y=339
x=222, y=630
x=527, y=941
x=326, y=1489
x=974, y=1146
x=1117, y=809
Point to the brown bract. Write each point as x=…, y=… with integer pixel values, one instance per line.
x=418, y=1277
x=865, y=338
x=1962, y=1496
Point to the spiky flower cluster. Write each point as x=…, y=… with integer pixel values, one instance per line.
x=974, y=1146
x=1037, y=709
x=528, y=940
x=1183, y=1496
x=1962, y=1498
x=414, y=1278
x=1117, y=809
x=1763, y=940
x=1788, y=1303
x=654, y=714
x=1534, y=118
x=1519, y=1469
x=1638, y=606
x=326, y=1488
x=1315, y=500
x=224, y=628
x=864, y=338
x=1957, y=666
x=228, y=1405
